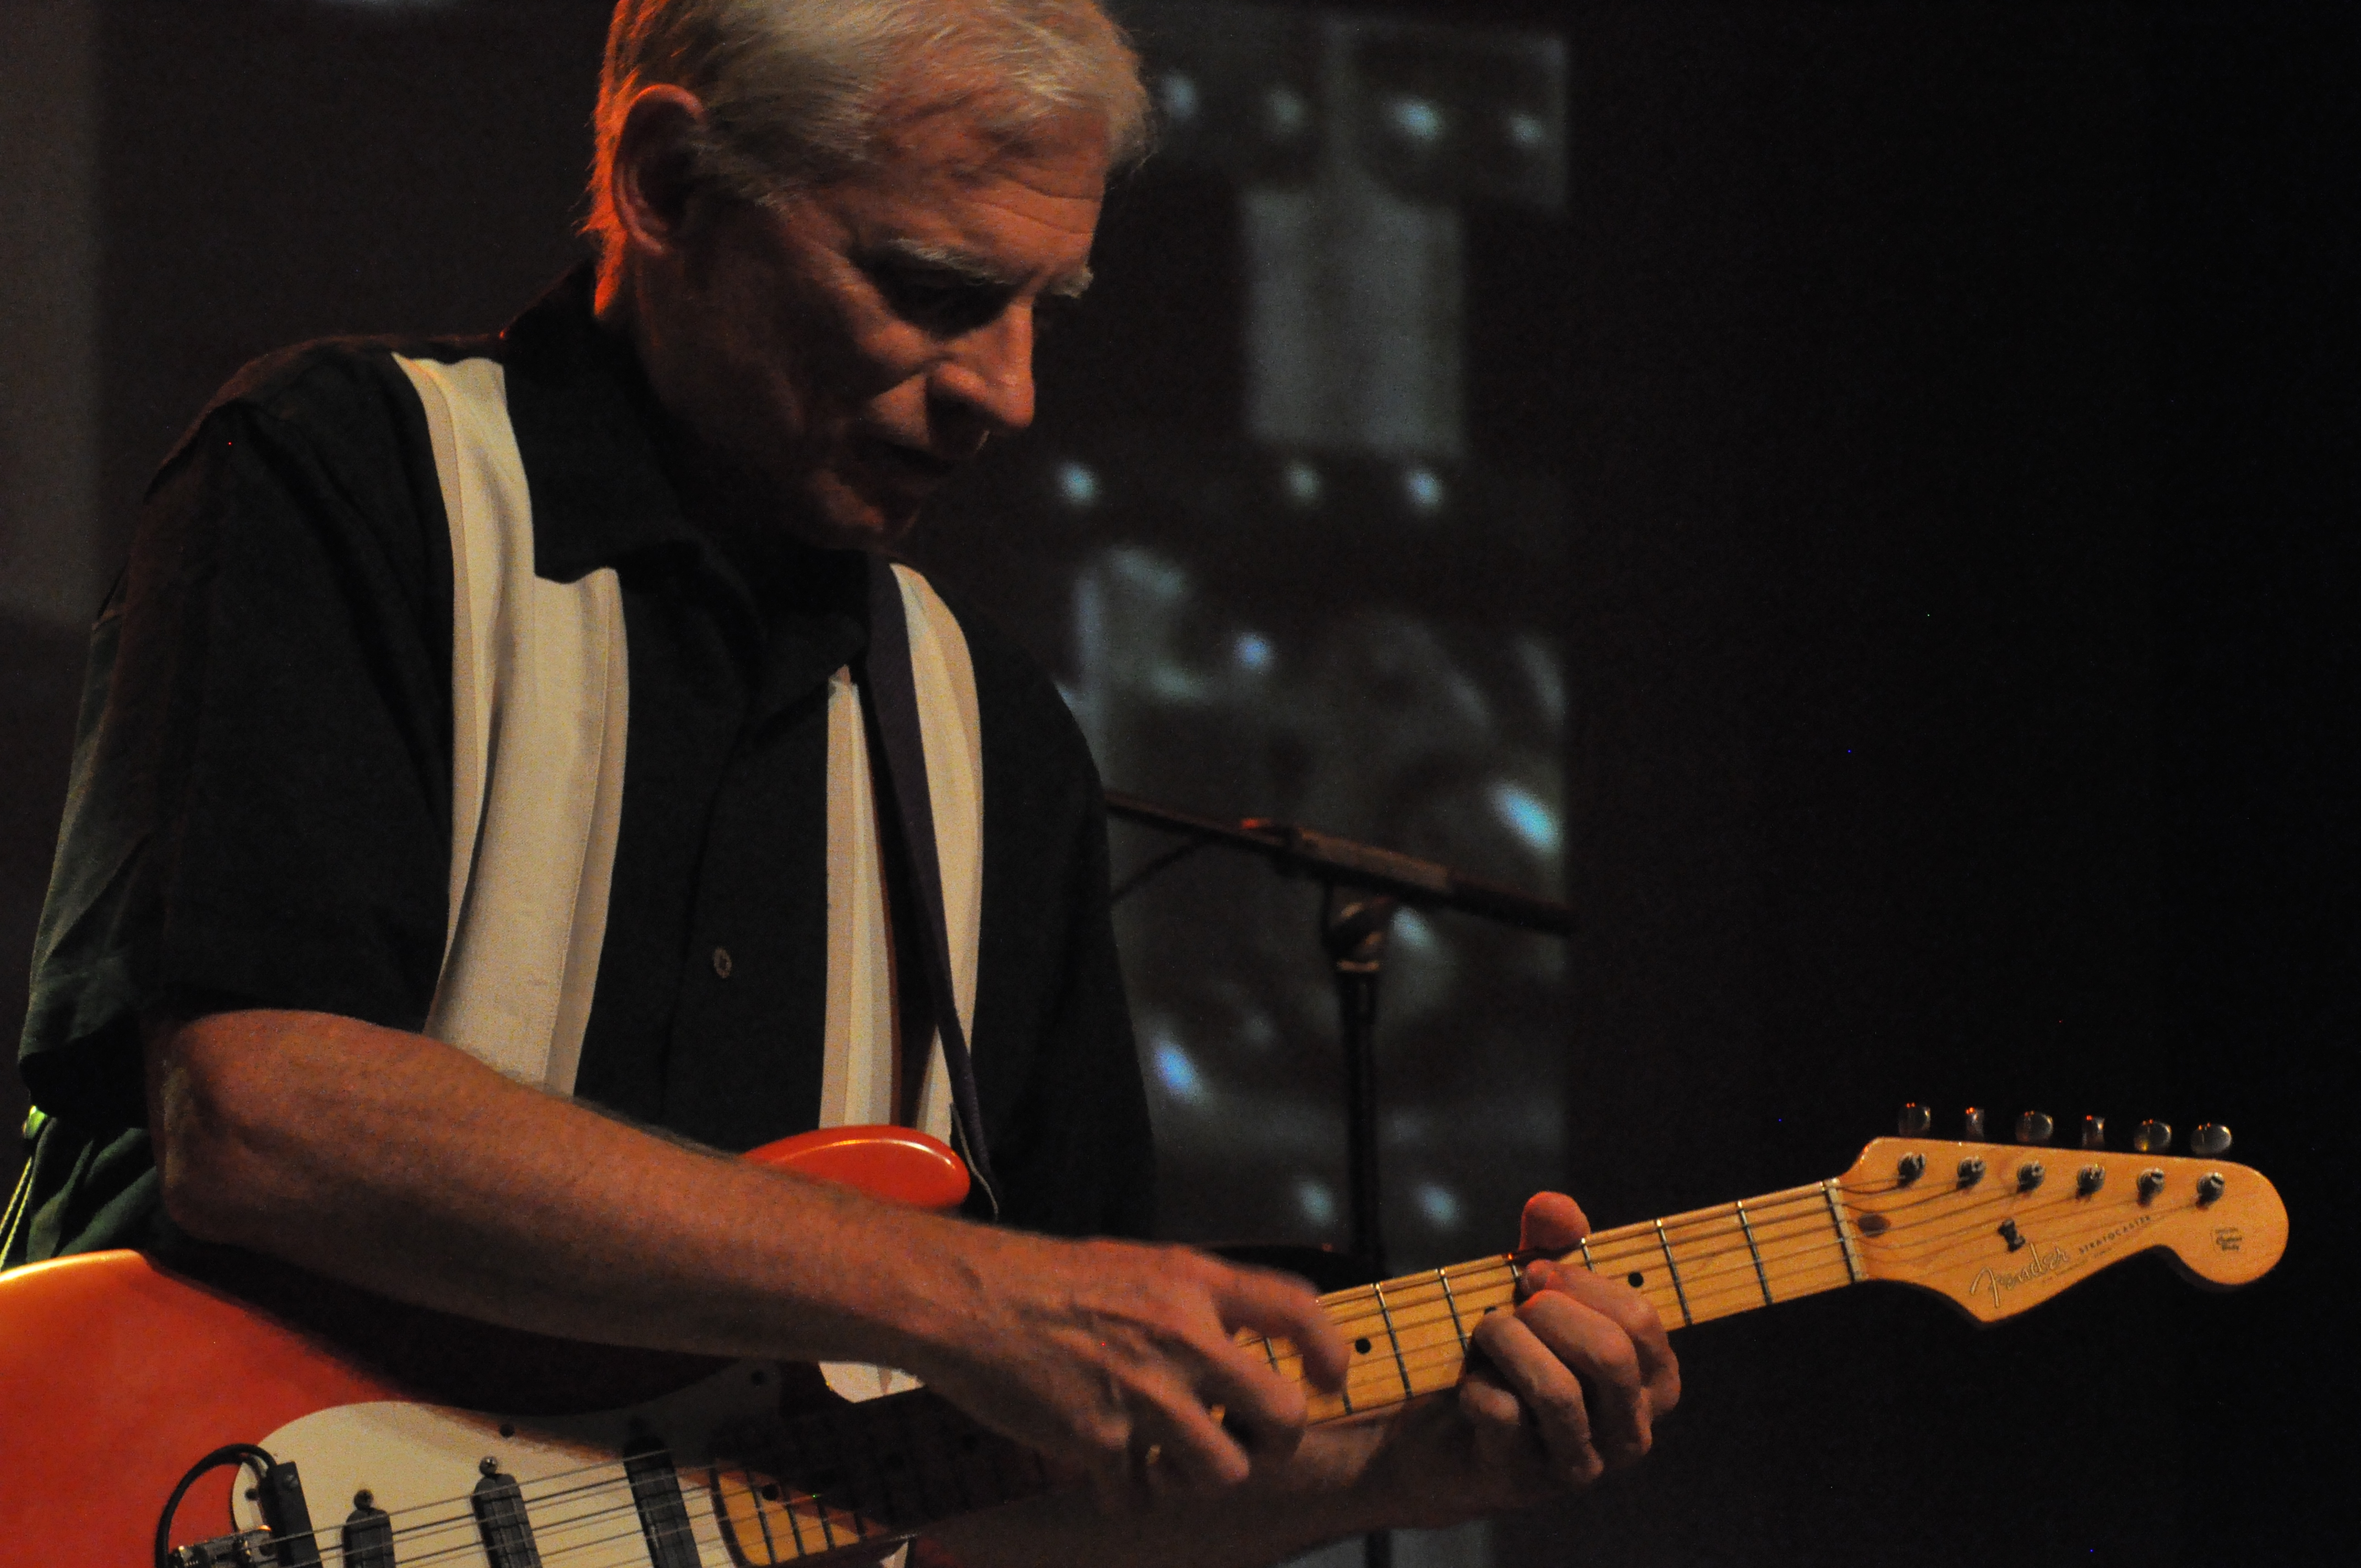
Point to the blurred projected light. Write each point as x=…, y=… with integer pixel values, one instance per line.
x=1176, y=1071
x=1252, y=652
x=1302, y=483
x=1422, y=487
x=1437, y=1205
x=1176, y=93
x=1285, y=113
x=1527, y=816
x=1418, y=121
x=1317, y=1201
x=1526, y=132
x=1413, y=931
x=1148, y=573
x=1077, y=486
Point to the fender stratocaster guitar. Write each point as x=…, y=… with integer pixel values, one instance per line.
x=134, y=1400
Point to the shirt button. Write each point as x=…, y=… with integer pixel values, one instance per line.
x=721, y=965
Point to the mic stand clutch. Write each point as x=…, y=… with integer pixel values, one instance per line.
x=1355, y=930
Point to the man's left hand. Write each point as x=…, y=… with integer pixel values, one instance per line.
x=1557, y=1393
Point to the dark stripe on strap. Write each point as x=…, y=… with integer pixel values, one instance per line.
x=894, y=699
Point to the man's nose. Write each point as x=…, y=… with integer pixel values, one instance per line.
x=989, y=373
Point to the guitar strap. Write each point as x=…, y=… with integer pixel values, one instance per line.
x=893, y=701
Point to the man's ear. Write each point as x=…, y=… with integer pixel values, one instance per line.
x=653, y=181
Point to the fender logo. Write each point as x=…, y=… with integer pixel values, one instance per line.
x=1996, y=1284
x=1993, y=1283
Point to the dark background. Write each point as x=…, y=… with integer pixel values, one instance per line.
x=1954, y=406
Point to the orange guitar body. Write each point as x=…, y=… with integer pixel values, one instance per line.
x=116, y=1375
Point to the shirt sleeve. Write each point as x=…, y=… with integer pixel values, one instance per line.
x=258, y=812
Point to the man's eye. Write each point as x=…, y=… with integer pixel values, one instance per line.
x=944, y=304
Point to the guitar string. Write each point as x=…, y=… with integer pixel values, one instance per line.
x=1614, y=1248
x=1610, y=1250
x=1417, y=1290
x=1627, y=1243
x=846, y=1517
x=542, y=1494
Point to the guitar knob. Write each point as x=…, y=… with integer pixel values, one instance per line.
x=2033, y=1127
x=1974, y=1125
x=2209, y=1139
x=2152, y=1137
x=2094, y=1132
x=1913, y=1121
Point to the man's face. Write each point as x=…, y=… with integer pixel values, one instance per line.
x=837, y=355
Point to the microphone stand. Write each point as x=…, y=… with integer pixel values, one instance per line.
x=1363, y=887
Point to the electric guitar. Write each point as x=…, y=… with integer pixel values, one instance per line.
x=136, y=1401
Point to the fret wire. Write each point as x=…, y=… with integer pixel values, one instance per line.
x=1443, y=1278
x=820, y=1502
x=789, y=1482
x=1584, y=1243
x=1673, y=1270
x=1844, y=1235
x=1753, y=1251
x=754, y=1505
x=1392, y=1338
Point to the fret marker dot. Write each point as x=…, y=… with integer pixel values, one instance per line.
x=1634, y=1278
x=1361, y=1345
x=772, y=1491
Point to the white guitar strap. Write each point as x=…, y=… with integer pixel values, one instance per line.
x=539, y=718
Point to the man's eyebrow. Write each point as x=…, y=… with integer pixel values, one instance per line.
x=968, y=267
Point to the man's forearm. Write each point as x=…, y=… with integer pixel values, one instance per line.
x=395, y=1163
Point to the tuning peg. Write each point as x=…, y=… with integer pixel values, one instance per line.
x=1913, y=1121
x=2209, y=1139
x=2094, y=1132
x=1974, y=1125
x=2152, y=1137
x=2033, y=1127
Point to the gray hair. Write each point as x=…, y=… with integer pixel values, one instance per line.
x=798, y=92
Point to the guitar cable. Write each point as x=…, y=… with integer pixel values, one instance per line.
x=239, y=1453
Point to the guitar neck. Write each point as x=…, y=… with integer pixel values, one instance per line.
x=1993, y=1229
x=1409, y=1335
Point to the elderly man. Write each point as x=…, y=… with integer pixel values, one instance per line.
x=486, y=732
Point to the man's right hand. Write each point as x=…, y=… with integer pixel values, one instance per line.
x=1109, y=1357
x=395, y=1163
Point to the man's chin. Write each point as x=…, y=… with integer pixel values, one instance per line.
x=836, y=516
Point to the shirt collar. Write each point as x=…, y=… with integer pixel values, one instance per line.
x=582, y=413
x=581, y=408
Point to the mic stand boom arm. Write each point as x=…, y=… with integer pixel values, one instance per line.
x=1346, y=862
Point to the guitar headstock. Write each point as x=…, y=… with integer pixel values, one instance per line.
x=1998, y=1228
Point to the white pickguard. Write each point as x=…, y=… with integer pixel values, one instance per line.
x=421, y=1463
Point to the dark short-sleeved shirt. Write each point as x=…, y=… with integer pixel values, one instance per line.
x=261, y=808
